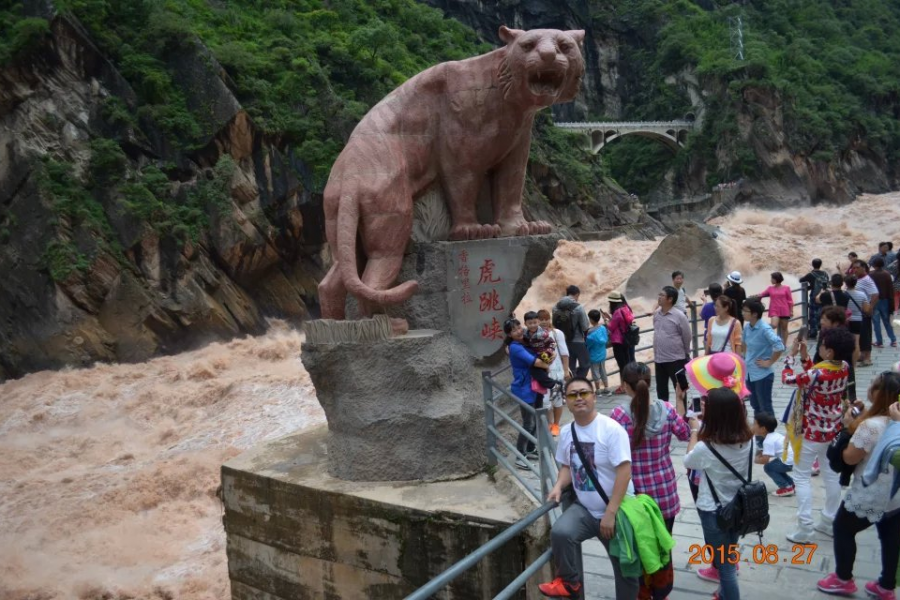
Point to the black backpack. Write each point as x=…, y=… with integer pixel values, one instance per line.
x=564, y=320
x=633, y=335
x=821, y=281
x=748, y=511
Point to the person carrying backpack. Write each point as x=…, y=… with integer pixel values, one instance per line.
x=620, y=321
x=570, y=318
x=816, y=280
x=721, y=448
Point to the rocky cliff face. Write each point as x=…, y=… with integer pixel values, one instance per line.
x=90, y=269
x=786, y=178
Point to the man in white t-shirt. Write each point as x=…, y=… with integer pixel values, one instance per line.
x=605, y=444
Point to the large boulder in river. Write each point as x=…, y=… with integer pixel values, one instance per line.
x=692, y=249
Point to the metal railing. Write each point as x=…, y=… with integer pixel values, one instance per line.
x=472, y=559
x=497, y=399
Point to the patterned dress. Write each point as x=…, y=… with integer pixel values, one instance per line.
x=651, y=464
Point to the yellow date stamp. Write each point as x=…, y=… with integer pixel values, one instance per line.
x=704, y=554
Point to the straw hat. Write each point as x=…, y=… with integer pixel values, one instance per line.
x=735, y=277
x=615, y=296
x=722, y=369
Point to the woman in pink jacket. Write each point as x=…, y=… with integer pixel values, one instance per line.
x=781, y=305
x=618, y=324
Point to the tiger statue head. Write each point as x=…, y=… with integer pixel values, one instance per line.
x=541, y=66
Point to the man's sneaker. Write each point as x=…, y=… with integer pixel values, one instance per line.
x=878, y=345
x=554, y=429
x=835, y=585
x=801, y=536
x=893, y=344
x=825, y=525
x=815, y=467
x=874, y=589
x=533, y=455
x=521, y=464
x=710, y=573
x=560, y=589
x=784, y=492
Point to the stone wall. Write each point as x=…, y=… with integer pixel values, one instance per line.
x=294, y=532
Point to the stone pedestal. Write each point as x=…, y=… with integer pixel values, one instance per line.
x=400, y=409
x=295, y=533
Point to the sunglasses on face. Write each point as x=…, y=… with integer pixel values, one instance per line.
x=583, y=394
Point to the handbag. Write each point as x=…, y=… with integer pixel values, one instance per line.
x=835, y=455
x=748, y=511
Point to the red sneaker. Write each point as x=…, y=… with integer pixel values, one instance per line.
x=785, y=491
x=560, y=589
x=874, y=590
x=835, y=585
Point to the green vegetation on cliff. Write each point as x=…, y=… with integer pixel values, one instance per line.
x=305, y=70
x=832, y=65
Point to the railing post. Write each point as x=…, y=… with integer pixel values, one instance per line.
x=542, y=442
x=804, y=303
x=490, y=442
x=695, y=350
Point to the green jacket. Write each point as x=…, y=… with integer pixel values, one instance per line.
x=624, y=545
x=643, y=531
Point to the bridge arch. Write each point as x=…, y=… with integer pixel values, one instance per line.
x=672, y=134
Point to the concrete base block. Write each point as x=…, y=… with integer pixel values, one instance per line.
x=399, y=409
x=293, y=532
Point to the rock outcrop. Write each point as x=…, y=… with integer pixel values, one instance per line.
x=86, y=276
x=692, y=249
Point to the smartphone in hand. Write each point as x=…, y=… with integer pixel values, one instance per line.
x=695, y=405
x=801, y=335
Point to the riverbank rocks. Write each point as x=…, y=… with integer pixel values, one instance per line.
x=692, y=249
x=400, y=409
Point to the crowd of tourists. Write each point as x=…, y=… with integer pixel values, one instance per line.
x=617, y=480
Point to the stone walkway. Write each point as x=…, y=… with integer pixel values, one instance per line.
x=757, y=581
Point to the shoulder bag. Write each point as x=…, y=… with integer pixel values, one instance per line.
x=727, y=338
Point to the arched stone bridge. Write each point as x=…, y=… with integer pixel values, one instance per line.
x=671, y=133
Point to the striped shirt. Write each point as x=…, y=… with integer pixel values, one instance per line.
x=867, y=286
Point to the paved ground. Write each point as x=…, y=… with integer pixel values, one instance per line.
x=757, y=581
